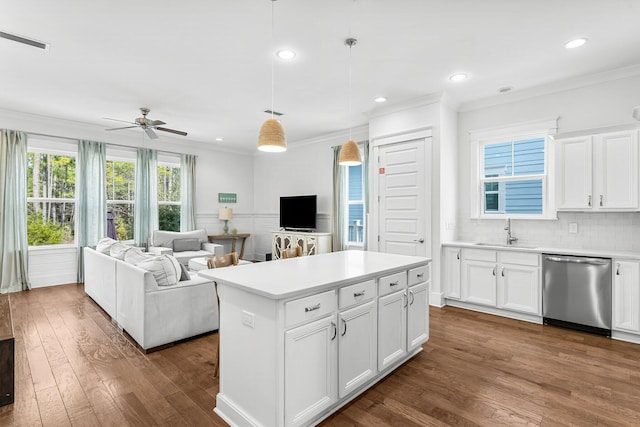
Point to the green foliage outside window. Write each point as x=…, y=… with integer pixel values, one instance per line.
x=169, y=198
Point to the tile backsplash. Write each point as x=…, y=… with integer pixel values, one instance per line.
x=606, y=231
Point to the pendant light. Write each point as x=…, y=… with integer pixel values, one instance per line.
x=272, y=137
x=350, y=153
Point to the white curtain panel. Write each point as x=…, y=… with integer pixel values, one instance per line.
x=146, y=203
x=187, y=192
x=339, y=203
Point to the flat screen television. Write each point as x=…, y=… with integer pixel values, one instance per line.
x=298, y=212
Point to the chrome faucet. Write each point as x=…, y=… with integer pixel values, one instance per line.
x=510, y=238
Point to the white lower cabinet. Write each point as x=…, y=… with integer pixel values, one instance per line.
x=626, y=296
x=392, y=329
x=478, y=276
x=356, y=347
x=451, y=256
x=418, y=316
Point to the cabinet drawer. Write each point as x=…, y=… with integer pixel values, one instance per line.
x=418, y=275
x=309, y=308
x=356, y=294
x=519, y=258
x=392, y=283
x=479, y=255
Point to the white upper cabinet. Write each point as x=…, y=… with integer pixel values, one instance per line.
x=598, y=172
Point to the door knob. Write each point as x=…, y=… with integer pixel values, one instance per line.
x=419, y=240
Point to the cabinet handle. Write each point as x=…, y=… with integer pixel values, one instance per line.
x=345, y=327
x=458, y=255
x=335, y=331
x=494, y=270
x=589, y=201
x=502, y=272
x=420, y=275
x=413, y=297
x=601, y=200
x=312, y=308
x=406, y=300
x=358, y=294
x=617, y=269
x=394, y=283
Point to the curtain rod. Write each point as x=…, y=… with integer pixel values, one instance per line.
x=106, y=143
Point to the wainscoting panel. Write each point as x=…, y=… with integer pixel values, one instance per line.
x=52, y=266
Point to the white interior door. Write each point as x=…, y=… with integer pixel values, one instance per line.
x=401, y=184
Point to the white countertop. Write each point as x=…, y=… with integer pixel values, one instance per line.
x=286, y=278
x=548, y=250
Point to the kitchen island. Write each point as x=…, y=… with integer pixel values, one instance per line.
x=301, y=337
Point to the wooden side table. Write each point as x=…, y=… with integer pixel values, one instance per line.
x=7, y=352
x=234, y=238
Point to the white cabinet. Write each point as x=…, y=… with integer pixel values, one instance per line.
x=310, y=243
x=451, y=257
x=392, y=328
x=356, y=347
x=519, y=282
x=626, y=296
x=479, y=276
x=598, y=172
x=310, y=368
x=418, y=316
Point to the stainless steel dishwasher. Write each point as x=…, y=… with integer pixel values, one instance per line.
x=576, y=292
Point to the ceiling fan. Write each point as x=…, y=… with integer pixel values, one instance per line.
x=147, y=124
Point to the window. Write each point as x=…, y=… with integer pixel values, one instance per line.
x=120, y=181
x=169, y=197
x=51, y=203
x=510, y=172
x=355, y=205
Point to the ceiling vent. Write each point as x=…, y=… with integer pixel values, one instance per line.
x=24, y=40
x=275, y=113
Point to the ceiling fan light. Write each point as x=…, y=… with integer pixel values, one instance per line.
x=272, y=138
x=350, y=154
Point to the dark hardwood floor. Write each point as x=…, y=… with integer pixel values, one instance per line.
x=73, y=367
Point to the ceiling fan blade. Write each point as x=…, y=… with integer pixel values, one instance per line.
x=117, y=120
x=177, y=132
x=150, y=133
x=156, y=123
x=126, y=127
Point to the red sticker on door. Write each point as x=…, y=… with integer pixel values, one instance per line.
x=381, y=172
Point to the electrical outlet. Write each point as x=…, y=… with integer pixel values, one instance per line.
x=248, y=319
x=573, y=227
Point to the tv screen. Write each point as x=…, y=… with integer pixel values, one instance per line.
x=298, y=212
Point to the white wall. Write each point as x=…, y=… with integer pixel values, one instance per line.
x=217, y=171
x=305, y=168
x=598, y=105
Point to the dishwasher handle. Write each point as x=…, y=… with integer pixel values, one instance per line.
x=590, y=261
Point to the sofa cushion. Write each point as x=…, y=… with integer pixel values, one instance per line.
x=104, y=245
x=165, y=269
x=181, y=245
x=184, y=274
x=136, y=255
x=118, y=250
x=166, y=238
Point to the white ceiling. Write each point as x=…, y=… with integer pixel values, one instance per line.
x=203, y=66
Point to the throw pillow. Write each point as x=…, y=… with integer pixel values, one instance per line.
x=181, y=245
x=118, y=250
x=185, y=274
x=165, y=269
x=104, y=245
x=136, y=255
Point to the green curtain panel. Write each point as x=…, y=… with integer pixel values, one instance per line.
x=339, y=203
x=92, y=198
x=146, y=207
x=14, y=246
x=365, y=190
x=187, y=192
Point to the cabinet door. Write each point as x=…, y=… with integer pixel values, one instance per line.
x=310, y=370
x=278, y=245
x=616, y=170
x=418, y=316
x=626, y=295
x=452, y=273
x=356, y=347
x=392, y=328
x=519, y=288
x=574, y=173
x=311, y=244
x=479, y=282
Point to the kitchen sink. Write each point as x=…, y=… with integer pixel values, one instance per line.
x=504, y=245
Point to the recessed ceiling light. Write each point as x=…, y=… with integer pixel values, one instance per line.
x=458, y=77
x=286, y=54
x=380, y=99
x=572, y=44
x=219, y=139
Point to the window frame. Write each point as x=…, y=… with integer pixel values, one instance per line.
x=480, y=138
x=119, y=155
x=56, y=148
x=174, y=163
x=348, y=202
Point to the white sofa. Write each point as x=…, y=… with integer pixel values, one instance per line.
x=170, y=242
x=152, y=315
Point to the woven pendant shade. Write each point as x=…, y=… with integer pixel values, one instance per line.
x=272, y=137
x=349, y=154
